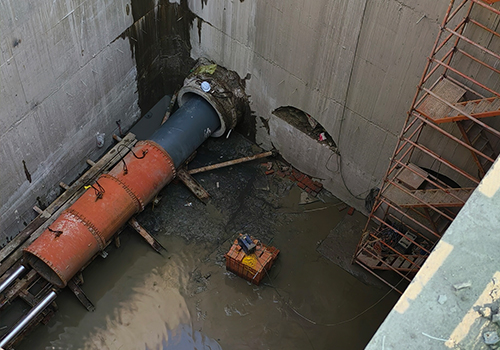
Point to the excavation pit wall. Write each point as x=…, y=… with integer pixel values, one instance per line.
x=186, y=297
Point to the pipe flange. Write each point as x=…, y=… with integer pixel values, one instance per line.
x=223, y=89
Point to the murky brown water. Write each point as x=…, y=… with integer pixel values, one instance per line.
x=185, y=299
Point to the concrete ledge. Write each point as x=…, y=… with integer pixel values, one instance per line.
x=453, y=302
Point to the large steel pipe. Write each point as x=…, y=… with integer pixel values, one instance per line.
x=86, y=227
x=187, y=128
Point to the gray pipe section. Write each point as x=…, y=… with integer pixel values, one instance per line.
x=30, y=316
x=12, y=278
x=187, y=128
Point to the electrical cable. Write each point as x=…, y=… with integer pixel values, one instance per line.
x=339, y=158
x=271, y=284
x=125, y=169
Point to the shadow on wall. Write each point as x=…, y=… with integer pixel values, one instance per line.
x=306, y=124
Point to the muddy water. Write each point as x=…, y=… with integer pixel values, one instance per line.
x=185, y=299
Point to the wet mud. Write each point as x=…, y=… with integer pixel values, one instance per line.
x=185, y=298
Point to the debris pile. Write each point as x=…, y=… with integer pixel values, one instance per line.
x=305, y=182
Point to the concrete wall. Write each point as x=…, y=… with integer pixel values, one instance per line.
x=352, y=65
x=70, y=69
x=64, y=76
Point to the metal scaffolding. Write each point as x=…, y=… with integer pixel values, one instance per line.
x=448, y=142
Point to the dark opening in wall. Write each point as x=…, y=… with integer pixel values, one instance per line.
x=305, y=123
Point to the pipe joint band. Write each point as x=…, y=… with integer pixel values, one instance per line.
x=101, y=242
x=137, y=201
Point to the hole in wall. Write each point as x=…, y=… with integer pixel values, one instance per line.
x=305, y=123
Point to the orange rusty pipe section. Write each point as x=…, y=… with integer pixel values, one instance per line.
x=85, y=228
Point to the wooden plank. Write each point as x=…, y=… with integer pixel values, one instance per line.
x=448, y=91
x=78, y=291
x=13, y=251
x=434, y=197
x=478, y=109
x=19, y=285
x=145, y=234
x=463, y=117
x=411, y=179
x=193, y=185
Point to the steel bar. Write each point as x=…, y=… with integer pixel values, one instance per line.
x=412, y=219
x=400, y=233
x=385, y=263
x=467, y=77
x=12, y=278
x=477, y=121
x=408, y=216
x=418, y=129
x=454, y=138
x=444, y=161
x=484, y=27
x=391, y=248
x=460, y=30
x=478, y=60
x=433, y=70
x=418, y=199
x=465, y=87
x=486, y=6
x=374, y=274
x=474, y=155
x=429, y=218
x=459, y=7
x=29, y=317
x=170, y=108
x=408, y=127
x=230, y=162
x=444, y=189
x=473, y=43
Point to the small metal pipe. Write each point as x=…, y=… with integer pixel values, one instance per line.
x=462, y=85
x=459, y=7
x=29, y=317
x=230, y=162
x=468, y=115
x=486, y=6
x=466, y=77
x=485, y=28
x=484, y=64
x=473, y=43
x=444, y=161
x=12, y=278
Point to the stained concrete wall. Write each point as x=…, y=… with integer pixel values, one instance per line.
x=64, y=76
x=70, y=69
x=352, y=65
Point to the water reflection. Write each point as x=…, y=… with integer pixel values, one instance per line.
x=184, y=338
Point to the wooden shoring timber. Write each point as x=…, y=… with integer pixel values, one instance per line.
x=80, y=295
x=145, y=234
x=13, y=250
x=21, y=284
x=193, y=185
